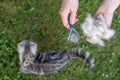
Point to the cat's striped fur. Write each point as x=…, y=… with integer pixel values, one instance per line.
x=48, y=62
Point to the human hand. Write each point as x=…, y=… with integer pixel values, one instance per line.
x=69, y=6
x=108, y=8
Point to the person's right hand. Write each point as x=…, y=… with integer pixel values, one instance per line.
x=69, y=6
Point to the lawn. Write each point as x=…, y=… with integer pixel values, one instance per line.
x=39, y=21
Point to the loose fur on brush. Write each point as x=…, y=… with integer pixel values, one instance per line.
x=48, y=62
x=96, y=29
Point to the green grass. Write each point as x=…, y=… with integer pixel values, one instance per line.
x=39, y=21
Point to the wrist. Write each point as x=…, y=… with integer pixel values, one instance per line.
x=111, y=5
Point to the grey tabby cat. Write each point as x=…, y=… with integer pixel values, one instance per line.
x=48, y=62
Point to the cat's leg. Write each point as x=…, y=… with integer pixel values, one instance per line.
x=39, y=72
x=25, y=70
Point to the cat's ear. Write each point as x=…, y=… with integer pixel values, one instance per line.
x=20, y=47
x=33, y=47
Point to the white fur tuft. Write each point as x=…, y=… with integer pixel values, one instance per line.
x=96, y=29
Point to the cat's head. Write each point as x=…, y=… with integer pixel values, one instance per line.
x=25, y=47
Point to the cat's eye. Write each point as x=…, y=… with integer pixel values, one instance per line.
x=33, y=44
x=21, y=43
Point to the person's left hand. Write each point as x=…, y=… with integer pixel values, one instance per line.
x=108, y=8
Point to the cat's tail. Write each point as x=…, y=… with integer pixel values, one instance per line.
x=77, y=52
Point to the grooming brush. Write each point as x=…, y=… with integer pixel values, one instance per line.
x=73, y=35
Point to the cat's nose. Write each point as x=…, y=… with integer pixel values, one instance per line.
x=27, y=48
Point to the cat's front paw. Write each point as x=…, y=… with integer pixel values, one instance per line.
x=25, y=71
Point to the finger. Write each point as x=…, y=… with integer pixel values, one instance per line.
x=64, y=17
x=65, y=22
x=76, y=20
x=99, y=11
x=67, y=26
x=96, y=14
x=72, y=17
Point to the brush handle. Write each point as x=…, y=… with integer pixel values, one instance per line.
x=71, y=25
